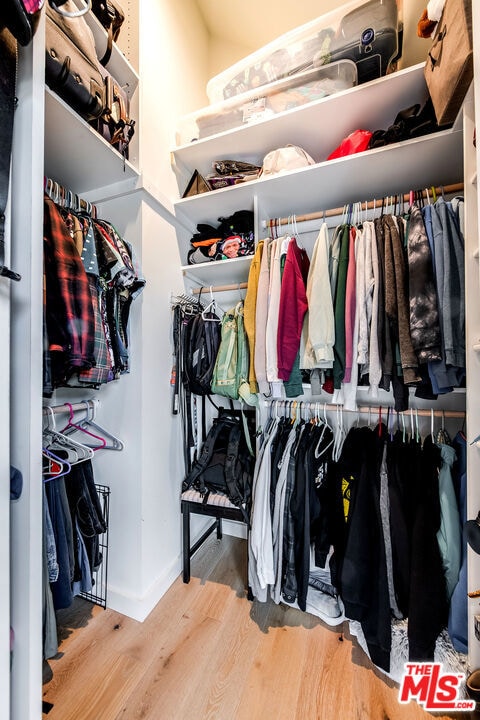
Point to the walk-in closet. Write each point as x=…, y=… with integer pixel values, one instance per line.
x=93, y=419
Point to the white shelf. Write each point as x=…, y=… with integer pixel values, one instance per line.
x=90, y=158
x=372, y=174
x=118, y=66
x=218, y=271
x=318, y=127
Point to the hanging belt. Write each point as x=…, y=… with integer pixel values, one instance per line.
x=8, y=77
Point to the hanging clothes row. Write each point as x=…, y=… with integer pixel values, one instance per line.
x=91, y=277
x=67, y=198
x=75, y=515
x=434, y=192
x=364, y=524
x=381, y=302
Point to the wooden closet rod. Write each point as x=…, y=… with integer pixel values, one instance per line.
x=219, y=288
x=369, y=409
x=59, y=409
x=445, y=189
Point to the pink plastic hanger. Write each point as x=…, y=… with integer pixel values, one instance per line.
x=71, y=424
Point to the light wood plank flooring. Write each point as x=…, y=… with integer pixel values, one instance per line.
x=207, y=653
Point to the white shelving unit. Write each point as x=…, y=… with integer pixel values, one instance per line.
x=53, y=141
x=437, y=159
x=319, y=127
x=69, y=136
x=86, y=149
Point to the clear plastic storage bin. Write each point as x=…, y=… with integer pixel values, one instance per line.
x=367, y=32
x=272, y=99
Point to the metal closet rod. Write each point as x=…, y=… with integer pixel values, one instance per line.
x=319, y=215
x=424, y=412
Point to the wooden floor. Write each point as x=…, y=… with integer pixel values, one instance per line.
x=207, y=653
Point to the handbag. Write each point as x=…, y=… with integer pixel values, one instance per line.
x=290, y=157
x=72, y=69
x=111, y=16
x=115, y=123
x=449, y=66
x=21, y=18
x=354, y=143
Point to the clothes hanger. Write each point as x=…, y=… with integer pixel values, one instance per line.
x=390, y=422
x=210, y=308
x=339, y=435
x=404, y=432
x=72, y=427
x=319, y=452
x=111, y=442
x=66, y=444
x=443, y=435
x=57, y=467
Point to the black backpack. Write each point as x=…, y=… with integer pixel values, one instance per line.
x=200, y=347
x=225, y=463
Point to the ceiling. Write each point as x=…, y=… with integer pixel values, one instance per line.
x=253, y=23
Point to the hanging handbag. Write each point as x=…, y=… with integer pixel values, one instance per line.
x=21, y=18
x=449, y=66
x=111, y=16
x=72, y=69
x=115, y=123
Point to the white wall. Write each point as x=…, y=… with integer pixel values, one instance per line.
x=174, y=71
x=145, y=478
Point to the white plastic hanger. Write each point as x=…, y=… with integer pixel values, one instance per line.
x=210, y=308
x=76, y=452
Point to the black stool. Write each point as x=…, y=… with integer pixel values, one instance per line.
x=217, y=506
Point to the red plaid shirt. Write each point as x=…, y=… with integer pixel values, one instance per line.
x=69, y=310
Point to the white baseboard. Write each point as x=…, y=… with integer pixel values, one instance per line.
x=139, y=607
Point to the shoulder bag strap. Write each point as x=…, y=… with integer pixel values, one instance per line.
x=8, y=78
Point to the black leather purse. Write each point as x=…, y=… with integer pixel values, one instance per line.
x=115, y=123
x=72, y=69
x=111, y=16
x=21, y=18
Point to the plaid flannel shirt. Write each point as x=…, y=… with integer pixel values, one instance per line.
x=69, y=312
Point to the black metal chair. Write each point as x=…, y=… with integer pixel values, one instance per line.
x=217, y=506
